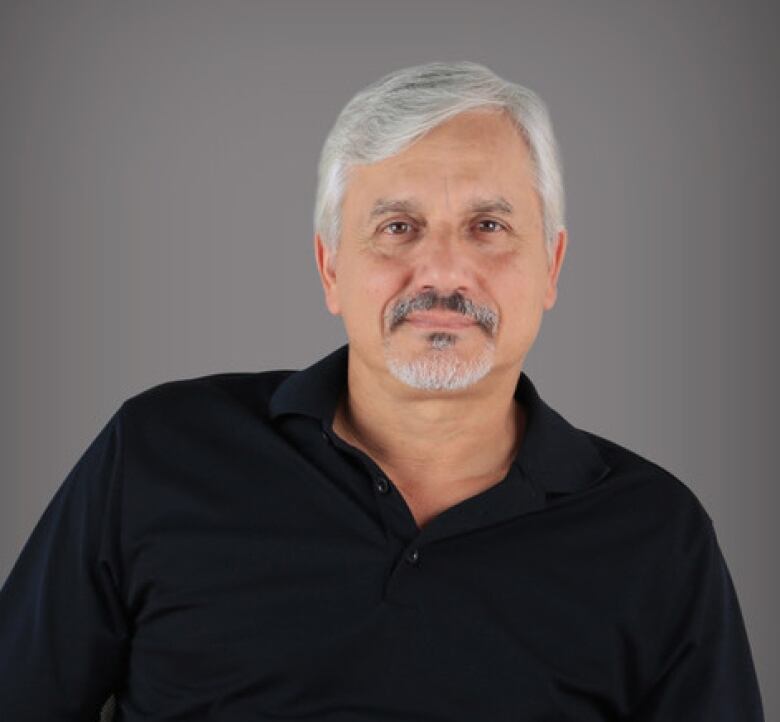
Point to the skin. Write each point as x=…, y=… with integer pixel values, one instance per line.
x=440, y=446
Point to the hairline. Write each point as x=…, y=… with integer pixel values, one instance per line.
x=522, y=106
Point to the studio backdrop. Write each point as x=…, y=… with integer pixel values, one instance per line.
x=156, y=195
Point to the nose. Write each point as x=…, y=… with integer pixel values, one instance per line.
x=442, y=263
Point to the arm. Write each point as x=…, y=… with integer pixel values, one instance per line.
x=709, y=674
x=63, y=626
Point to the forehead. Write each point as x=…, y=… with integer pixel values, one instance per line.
x=475, y=154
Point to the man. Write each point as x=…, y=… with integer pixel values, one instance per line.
x=404, y=531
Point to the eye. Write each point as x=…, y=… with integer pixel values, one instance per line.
x=398, y=228
x=488, y=225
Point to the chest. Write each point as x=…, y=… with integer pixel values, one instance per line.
x=322, y=622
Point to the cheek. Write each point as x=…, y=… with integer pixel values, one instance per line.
x=371, y=289
x=520, y=293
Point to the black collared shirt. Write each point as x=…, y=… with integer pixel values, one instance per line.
x=217, y=553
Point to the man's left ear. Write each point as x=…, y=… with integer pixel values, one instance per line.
x=554, y=269
x=326, y=265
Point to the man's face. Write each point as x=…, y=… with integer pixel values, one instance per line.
x=441, y=275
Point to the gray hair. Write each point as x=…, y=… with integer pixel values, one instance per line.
x=390, y=114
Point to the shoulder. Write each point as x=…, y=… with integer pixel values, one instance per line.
x=649, y=495
x=655, y=533
x=201, y=399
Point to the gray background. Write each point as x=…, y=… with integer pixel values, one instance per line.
x=157, y=172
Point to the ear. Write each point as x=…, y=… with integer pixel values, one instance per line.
x=326, y=265
x=554, y=265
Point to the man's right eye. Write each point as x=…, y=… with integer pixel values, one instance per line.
x=398, y=228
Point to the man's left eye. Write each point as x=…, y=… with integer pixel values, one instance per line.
x=490, y=226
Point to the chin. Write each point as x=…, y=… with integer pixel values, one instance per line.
x=440, y=365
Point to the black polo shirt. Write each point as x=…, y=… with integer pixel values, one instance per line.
x=217, y=553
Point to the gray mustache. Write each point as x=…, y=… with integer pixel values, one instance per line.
x=484, y=316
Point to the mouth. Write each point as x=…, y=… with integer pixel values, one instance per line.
x=439, y=319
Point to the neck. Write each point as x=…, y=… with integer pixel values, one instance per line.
x=431, y=441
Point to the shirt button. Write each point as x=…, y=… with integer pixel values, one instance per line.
x=382, y=485
x=413, y=557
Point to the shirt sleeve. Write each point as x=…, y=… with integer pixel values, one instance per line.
x=63, y=626
x=709, y=676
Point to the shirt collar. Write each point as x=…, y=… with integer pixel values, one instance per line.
x=558, y=457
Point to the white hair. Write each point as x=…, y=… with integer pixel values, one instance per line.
x=390, y=114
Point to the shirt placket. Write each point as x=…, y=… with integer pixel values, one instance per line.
x=513, y=496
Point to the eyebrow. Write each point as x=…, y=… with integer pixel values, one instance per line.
x=480, y=205
x=389, y=205
x=491, y=205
